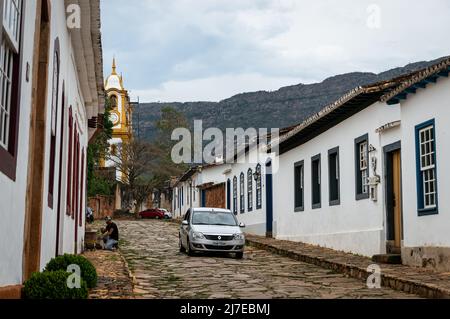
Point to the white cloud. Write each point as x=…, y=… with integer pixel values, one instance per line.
x=166, y=45
x=212, y=88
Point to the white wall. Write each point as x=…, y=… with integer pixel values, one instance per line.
x=180, y=210
x=213, y=174
x=427, y=104
x=68, y=75
x=353, y=226
x=210, y=174
x=255, y=220
x=12, y=193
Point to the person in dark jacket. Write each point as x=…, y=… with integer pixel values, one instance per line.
x=111, y=234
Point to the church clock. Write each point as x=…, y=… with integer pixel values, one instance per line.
x=115, y=118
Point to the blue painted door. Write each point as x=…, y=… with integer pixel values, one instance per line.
x=203, y=198
x=269, y=200
x=229, y=194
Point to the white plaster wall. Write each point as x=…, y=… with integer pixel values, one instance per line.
x=180, y=211
x=213, y=174
x=109, y=163
x=196, y=194
x=12, y=193
x=255, y=220
x=353, y=226
x=68, y=75
x=427, y=104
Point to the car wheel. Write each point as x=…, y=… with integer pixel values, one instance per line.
x=239, y=255
x=189, y=250
x=182, y=249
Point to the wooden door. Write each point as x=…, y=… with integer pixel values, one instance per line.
x=397, y=199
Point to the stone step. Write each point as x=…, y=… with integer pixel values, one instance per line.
x=390, y=259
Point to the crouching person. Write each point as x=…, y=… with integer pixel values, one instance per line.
x=110, y=235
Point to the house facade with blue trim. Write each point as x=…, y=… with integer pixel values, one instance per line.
x=368, y=174
x=424, y=101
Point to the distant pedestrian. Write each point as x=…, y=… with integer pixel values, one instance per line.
x=111, y=234
x=89, y=215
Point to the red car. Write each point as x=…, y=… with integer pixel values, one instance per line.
x=152, y=213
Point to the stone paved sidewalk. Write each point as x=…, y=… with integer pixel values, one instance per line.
x=425, y=283
x=114, y=280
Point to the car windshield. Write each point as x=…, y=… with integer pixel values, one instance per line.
x=214, y=218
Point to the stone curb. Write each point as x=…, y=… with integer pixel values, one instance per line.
x=392, y=281
x=127, y=269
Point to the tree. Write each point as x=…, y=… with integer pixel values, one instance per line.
x=99, y=184
x=170, y=120
x=135, y=161
x=164, y=166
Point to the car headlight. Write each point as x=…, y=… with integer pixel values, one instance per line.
x=239, y=237
x=198, y=236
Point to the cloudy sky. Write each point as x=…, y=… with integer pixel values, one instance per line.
x=209, y=50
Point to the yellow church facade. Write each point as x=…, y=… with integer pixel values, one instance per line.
x=121, y=117
x=121, y=113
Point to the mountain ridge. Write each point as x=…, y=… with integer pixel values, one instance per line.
x=284, y=107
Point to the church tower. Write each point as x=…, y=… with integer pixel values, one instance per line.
x=121, y=110
x=121, y=117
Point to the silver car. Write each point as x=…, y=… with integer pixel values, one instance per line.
x=211, y=230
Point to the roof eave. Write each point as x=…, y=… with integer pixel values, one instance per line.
x=418, y=80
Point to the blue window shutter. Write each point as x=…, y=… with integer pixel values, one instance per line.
x=419, y=176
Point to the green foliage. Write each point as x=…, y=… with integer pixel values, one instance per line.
x=53, y=285
x=88, y=271
x=99, y=185
x=170, y=120
x=97, y=151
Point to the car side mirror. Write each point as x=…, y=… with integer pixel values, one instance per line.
x=185, y=223
x=242, y=225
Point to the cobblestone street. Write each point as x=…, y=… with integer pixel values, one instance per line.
x=151, y=249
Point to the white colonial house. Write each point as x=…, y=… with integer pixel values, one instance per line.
x=52, y=96
x=424, y=100
x=185, y=194
x=365, y=175
x=200, y=186
x=238, y=184
x=330, y=188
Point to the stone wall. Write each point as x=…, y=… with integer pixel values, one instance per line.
x=434, y=258
x=102, y=206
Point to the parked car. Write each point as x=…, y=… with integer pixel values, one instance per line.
x=211, y=230
x=167, y=214
x=154, y=213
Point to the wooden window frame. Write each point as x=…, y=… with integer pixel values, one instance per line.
x=242, y=193
x=250, y=190
x=314, y=179
x=235, y=195
x=8, y=156
x=299, y=186
x=334, y=175
x=360, y=195
x=82, y=187
x=70, y=164
x=54, y=122
x=259, y=202
x=422, y=209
